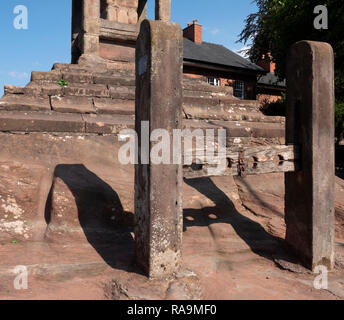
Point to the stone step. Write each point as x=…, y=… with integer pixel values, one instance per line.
x=192, y=87
x=242, y=133
x=74, y=68
x=74, y=77
x=114, y=80
x=226, y=102
x=87, y=90
x=72, y=104
x=75, y=74
x=220, y=113
x=114, y=106
x=14, y=121
x=20, y=102
x=121, y=100
x=124, y=93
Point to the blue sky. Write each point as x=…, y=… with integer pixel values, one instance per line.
x=47, y=39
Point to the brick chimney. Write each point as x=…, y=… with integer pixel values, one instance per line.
x=193, y=32
x=266, y=63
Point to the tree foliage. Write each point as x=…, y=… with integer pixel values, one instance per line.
x=280, y=23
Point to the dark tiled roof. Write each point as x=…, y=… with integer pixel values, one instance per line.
x=216, y=54
x=272, y=80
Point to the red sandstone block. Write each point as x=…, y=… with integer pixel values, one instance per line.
x=52, y=89
x=65, y=67
x=115, y=106
x=9, y=89
x=72, y=104
x=106, y=124
x=41, y=122
x=113, y=80
x=52, y=76
x=77, y=77
x=35, y=88
x=122, y=92
x=95, y=90
x=200, y=101
x=24, y=103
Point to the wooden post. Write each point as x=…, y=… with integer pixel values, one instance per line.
x=309, y=199
x=158, y=194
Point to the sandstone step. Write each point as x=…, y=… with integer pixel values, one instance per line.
x=121, y=101
x=9, y=89
x=16, y=121
x=87, y=90
x=49, y=76
x=123, y=92
x=226, y=102
x=114, y=106
x=229, y=113
x=31, y=89
x=239, y=129
x=40, y=122
x=108, y=124
x=114, y=80
x=76, y=77
x=24, y=103
x=72, y=104
x=66, y=67
x=190, y=87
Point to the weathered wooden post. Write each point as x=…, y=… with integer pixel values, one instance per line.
x=158, y=197
x=309, y=200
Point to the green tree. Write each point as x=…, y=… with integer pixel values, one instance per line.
x=280, y=23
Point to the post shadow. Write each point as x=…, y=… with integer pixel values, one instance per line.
x=105, y=224
x=255, y=236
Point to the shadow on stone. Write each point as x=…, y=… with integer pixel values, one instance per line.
x=254, y=235
x=81, y=205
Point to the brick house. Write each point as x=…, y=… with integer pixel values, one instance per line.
x=269, y=87
x=111, y=35
x=218, y=65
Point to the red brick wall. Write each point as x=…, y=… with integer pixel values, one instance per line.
x=267, y=64
x=264, y=98
x=193, y=33
x=226, y=79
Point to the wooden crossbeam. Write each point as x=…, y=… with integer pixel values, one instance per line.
x=248, y=161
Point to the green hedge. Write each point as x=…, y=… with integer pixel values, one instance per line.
x=339, y=125
x=279, y=109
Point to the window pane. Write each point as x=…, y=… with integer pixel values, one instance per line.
x=214, y=81
x=239, y=89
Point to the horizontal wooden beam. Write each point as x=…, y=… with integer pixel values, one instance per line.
x=247, y=161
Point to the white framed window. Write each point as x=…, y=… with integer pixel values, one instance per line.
x=214, y=81
x=239, y=89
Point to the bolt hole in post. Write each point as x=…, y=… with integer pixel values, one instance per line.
x=278, y=160
x=281, y=160
x=253, y=162
x=197, y=166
